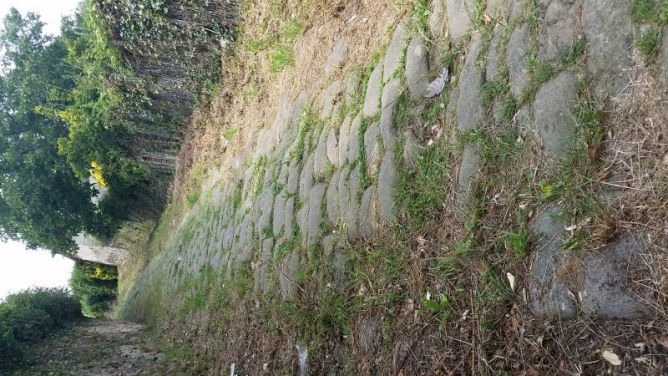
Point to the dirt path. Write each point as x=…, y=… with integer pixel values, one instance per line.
x=98, y=348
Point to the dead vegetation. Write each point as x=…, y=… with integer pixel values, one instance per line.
x=251, y=86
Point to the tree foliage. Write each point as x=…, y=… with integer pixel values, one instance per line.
x=42, y=201
x=107, y=98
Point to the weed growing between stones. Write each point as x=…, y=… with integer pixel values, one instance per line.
x=362, y=162
x=653, y=14
x=309, y=122
x=492, y=90
x=541, y=72
x=421, y=193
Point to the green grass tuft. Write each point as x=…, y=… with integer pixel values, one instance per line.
x=420, y=194
x=281, y=57
x=292, y=29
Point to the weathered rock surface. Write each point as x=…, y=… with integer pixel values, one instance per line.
x=498, y=9
x=516, y=58
x=332, y=147
x=606, y=292
x=336, y=58
x=339, y=175
x=372, y=149
x=344, y=141
x=459, y=17
x=286, y=275
x=331, y=99
x=548, y=296
x=395, y=52
x=293, y=177
x=554, y=113
x=417, y=67
x=354, y=148
x=90, y=249
x=315, y=213
x=410, y=151
x=344, y=200
x=470, y=109
x=288, y=220
x=354, y=190
x=597, y=281
x=391, y=93
x=493, y=60
x=332, y=199
x=373, y=91
x=266, y=204
x=387, y=179
x=437, y=19
x=467, y=170
x=559, y=29
x=609, y=33
x=368, y=220
x=279, y=213
x=320, y=155
x=306, y=179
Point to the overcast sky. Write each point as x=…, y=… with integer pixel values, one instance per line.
x=50, y=10
x=21, y=268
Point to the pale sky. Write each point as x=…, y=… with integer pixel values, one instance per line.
x=50, y=10
x=21, y=268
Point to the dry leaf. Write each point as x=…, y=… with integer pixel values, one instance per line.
x=612, y=358
x=511, y=280
x=436, y=87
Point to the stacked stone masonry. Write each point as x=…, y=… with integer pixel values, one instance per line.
x=333, y=183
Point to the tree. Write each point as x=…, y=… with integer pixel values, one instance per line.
x=42, y=201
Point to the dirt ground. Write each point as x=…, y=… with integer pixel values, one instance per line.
x=97, y=348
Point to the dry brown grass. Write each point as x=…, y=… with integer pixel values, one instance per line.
x=637, y=155
x=365, y=26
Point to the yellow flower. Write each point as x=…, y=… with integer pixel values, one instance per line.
x=96, y=172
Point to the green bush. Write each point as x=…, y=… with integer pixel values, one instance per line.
x=30, y=315
x=95, y=286
x=59, y=304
